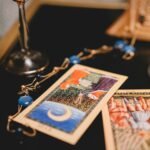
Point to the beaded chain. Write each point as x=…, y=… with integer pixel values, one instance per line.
x=25, y=99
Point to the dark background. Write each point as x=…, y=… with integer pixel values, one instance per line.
x=61, y=32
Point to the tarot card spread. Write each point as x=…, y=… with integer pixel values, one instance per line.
x=68, y=107
x=127, y=120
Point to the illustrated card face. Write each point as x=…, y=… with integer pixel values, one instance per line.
x=126, y=120
x=69, y=106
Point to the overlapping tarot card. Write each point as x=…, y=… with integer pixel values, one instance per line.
x=126, y=120
x=69, y=106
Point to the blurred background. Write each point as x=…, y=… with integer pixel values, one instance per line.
x=62, y=32
x=9, y=10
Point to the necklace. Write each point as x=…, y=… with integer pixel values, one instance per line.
x=25, y=99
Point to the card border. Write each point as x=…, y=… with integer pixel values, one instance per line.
x=108, y=133
x=75, y=136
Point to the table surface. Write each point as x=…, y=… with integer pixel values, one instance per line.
x=61, y=32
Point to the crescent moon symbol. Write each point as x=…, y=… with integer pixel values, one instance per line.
x=64, y=117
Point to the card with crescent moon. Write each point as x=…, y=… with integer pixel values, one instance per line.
x=126, y=120
x=71, y=104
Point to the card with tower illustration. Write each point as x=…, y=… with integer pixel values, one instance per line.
x=126, y=120
x=69, y=106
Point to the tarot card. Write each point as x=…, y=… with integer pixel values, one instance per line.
x=126, y=120
x=69, y=106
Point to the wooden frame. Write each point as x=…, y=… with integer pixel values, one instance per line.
x=128, y=25
x=7, y=41
x=121, y=26
x=87, y=4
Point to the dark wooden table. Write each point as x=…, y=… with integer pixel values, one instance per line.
x=62, y=32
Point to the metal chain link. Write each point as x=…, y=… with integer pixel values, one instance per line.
x=25, y=89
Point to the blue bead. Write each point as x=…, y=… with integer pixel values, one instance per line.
x=128, y=48
x=120, y=44
x=74, y=59
x=25, y=101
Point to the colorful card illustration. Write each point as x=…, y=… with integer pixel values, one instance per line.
x=126, y=120
x=69, y=106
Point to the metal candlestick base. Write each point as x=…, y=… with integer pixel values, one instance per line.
x=26, y=62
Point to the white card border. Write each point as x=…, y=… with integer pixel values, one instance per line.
x=108, y=133
x=75, y=136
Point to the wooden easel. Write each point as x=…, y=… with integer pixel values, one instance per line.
x=134, y=22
